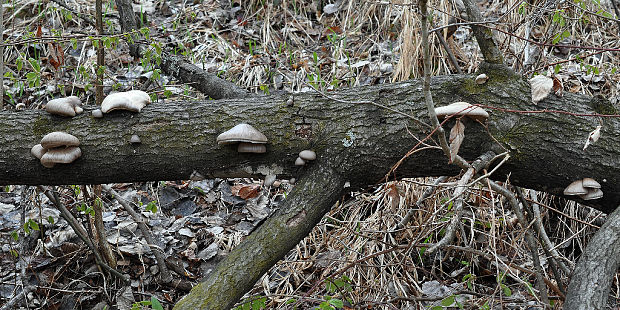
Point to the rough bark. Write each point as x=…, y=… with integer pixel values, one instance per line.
x=127, y=19
x=205, y=82
x=484, y=36
x=362, y=140
x=311, y=198
x=593, y=276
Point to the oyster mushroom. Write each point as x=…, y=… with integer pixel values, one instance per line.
x=68, y=106
x=575, y=188
x=307, y=155
x=38, y=151
x=299, y=162
x=249, y=138
x=135, y=139
x=60, y=155
x=57, y=148
x=587, y=189
x=481, y=79
x=462, y=108
x=59, y=138
x=97, y=113
x=133, y=100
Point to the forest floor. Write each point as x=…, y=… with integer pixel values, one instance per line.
x=363, y=254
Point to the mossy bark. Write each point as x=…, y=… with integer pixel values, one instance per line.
x=363, y=141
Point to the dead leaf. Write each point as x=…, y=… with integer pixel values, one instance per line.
x=457, y=134
x=541, y=87
x=593, y=136
x=246, y=191
x=395, y=195
x=56, y=55
x=558, y=87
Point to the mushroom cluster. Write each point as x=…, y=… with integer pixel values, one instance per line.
x=462, y=108
x=57, y=148
x=305, y=156
x=68, y=106
x=249, y=138
x=133, y=100
x=587, y=189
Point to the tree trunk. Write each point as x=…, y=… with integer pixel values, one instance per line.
x=237, y=273
x=363, y=141
x=355, y=141
x=593, y=276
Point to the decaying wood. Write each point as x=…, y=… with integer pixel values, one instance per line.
x=362, y=140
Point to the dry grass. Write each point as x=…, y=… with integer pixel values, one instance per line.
x=266, y=47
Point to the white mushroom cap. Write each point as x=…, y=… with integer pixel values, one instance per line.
x=462, y=108
x=307, y=155
x=97, y=113
x=575, y=188
x=251, y=148
x=241, y=133
x=481, y=79
x=590, y=183
x=60, y=156
x=68, y=106
x=59, y=138
x=593, y=193
x=135, y=139
x=299, y=162
x=133, y=100
x=38, y=151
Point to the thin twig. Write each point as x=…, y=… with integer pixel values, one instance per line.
x=160, y=256
x=455, y=221
x=531, y=242
x=70, y=9
x=446, y=48
x=540, y=229
x=427, y=193
x=80, y=231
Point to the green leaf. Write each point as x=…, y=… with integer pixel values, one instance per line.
x=34, y=225
x=448, y=301
x=330, y=286
x=155, y=304
x=506, y=290
x=15, y=235
x=336, y=303
x=259, y=303
x=50, y=220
